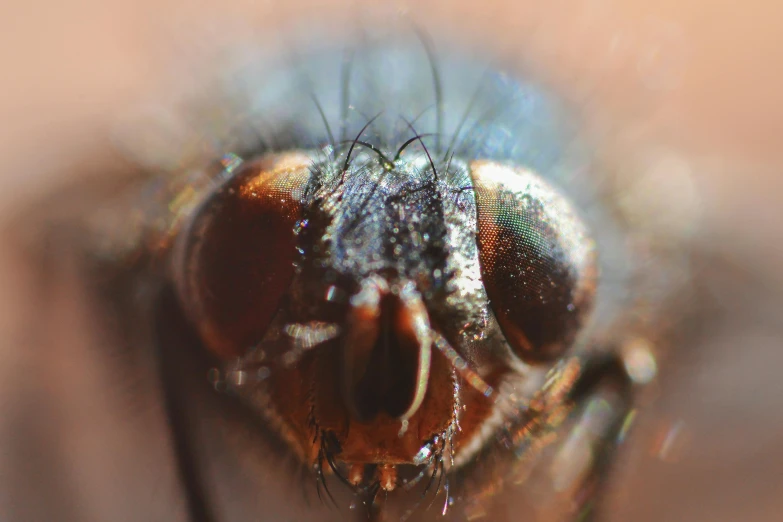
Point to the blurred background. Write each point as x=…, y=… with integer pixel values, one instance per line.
x=693, y=87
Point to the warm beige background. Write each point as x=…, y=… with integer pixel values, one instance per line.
x=701, y=78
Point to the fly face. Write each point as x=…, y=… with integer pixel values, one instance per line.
x=417, y=308
x=374, y=310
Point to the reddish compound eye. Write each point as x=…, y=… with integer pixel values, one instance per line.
x=234, y=262
x=537, y=260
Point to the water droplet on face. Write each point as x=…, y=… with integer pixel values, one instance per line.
x=403, y=428
x=423, y=455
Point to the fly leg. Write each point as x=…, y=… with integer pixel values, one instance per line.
x=553, y=461
x=602, y=414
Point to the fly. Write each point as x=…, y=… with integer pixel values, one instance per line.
x=408, y=311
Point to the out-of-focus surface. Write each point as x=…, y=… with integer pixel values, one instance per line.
x=697, y=77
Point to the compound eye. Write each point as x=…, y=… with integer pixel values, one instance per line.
x=537, y=260
x=235, y=260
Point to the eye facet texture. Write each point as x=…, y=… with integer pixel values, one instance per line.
x=537, y=260
x=235, y=260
